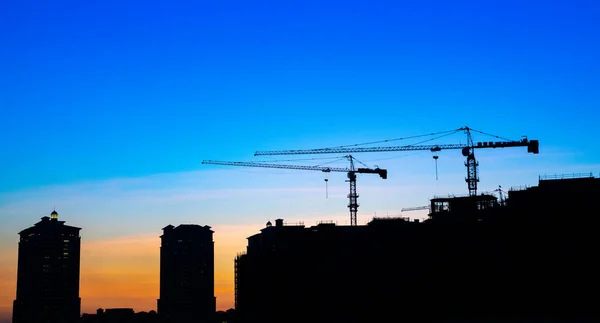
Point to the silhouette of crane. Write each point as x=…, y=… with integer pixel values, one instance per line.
x=468, y=150
x=415, y=208
x=351, y=171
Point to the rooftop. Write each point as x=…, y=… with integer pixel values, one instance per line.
x=546, y=177
x=482, y=196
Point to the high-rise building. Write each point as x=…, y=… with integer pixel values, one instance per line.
x=48, y=273
x=187, y=274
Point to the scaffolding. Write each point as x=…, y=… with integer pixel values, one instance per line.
x=236, y=282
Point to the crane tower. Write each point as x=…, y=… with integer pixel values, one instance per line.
x=468, y=151
x=351, y=171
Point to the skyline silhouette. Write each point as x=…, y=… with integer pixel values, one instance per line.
x=499, y=251
x=145, y=263
x=109, y=109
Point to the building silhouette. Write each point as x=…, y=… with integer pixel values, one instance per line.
x=293, y=273
x=531, y=257
x=120, y=315
x=48, y=273
x=187, y=274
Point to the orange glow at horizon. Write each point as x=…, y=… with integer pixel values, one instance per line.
x=125, y=271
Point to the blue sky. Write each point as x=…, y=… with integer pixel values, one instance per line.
x=118, y=89
x=109, y=107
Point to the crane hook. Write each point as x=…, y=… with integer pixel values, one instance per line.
x=326, y=193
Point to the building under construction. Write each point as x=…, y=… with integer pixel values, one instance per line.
x=530, y=255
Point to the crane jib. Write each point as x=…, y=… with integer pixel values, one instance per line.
x=532, y=147
x=353, y=196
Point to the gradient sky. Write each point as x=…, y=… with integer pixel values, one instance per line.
x=109, y=107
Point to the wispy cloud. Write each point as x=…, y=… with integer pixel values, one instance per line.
x=123, y=206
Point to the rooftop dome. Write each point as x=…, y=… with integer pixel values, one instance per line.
x=54, y=215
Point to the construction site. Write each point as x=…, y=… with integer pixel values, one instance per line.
x=522, y=254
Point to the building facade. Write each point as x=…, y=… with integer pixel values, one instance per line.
x=474, y=259
x=187, y=290
x=322, y=273
x=48, y=273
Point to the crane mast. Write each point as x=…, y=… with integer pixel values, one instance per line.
x=352, y=196
x=468, y=151
x=471, y=164
x=351, y=171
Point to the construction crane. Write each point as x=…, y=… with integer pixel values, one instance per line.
x=416, y=208
x=468, y=151
x=351, y=171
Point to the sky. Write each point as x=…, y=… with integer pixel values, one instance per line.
x=109, y=108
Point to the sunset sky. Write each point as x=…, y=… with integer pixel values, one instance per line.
x=109, y=107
